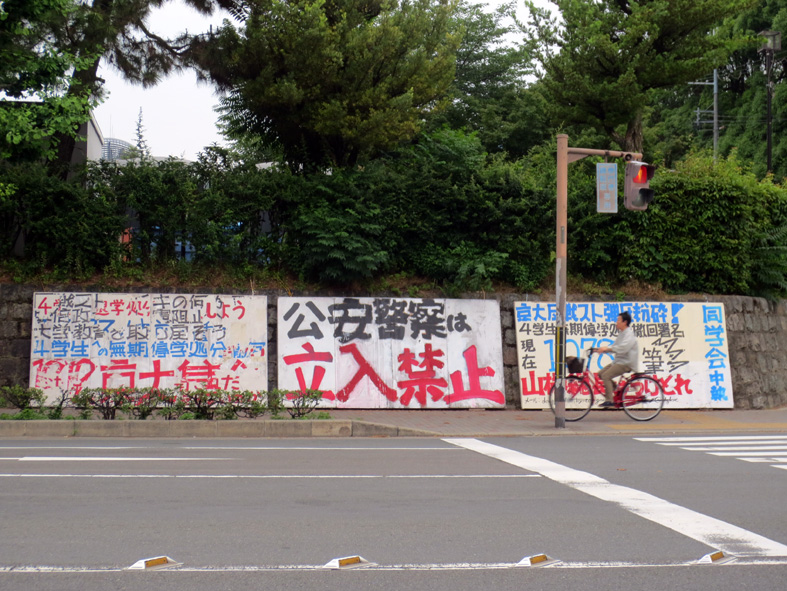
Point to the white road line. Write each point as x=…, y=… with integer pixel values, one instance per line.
x=742, y=454
x=740, y=448
x=272, y=476
x=233, y=448
x=715, y=533
x=762, y=449
x=67, y=447
x=112, y=459
x=293, y=448
x=718, y=438
x=722, y=444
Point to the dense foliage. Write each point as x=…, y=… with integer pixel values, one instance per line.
x=441, y=167
x=602, y=59
x=441, y=209
x=329, y=83
x=36, y=66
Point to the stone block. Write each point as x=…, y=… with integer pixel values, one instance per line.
x=148, y=428
x=193, y=428
x=364, y=429
x=40, y=428
x=241, y=428
x=332, y=428
x=9, y=329
x=21, y=312
x=506, y=318
x=509, y=356
x=13, y=428
x=17, y=293
x=101, y=428
x=735, y=322
x=287, y=428
x=20, y=348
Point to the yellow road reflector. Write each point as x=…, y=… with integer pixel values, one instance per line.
x=155, y=563
x=717, y=557
x=348, y=562
x=537, y=560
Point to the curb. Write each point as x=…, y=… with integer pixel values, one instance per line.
x=263, y=428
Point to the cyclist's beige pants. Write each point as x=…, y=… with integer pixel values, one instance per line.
x=612, y=370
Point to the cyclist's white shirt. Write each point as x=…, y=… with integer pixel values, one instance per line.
x=626, y=349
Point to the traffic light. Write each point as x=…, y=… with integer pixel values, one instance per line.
x=636, y=191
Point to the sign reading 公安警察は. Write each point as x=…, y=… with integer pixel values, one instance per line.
x=392, y=352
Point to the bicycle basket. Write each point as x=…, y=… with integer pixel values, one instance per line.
x=575, y=365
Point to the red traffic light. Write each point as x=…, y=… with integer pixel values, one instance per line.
x=643, y=174
x=636, y=190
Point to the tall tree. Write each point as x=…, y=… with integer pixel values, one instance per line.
x=34, y=73
x=141, y=144
x=330, y=82
x=601, y=61
x=675, y=126
x=63, y=32
x=490, y=94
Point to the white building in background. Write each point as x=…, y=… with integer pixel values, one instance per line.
x=114, y=148
x=91, y=147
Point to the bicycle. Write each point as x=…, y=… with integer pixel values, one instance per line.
x=640, y=395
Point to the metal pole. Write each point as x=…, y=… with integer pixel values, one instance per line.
x=560, y=280
x=768, y=65
x=715, y=114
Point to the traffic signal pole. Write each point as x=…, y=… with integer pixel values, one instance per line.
x=565, y=155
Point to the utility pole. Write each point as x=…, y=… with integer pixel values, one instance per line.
x=715, y=85
x=773, y=43
x=566, y=155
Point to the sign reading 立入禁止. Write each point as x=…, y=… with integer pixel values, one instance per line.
x=684, y=345
x=392, y=352
x=113, y=340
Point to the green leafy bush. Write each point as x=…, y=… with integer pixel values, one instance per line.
x=302, y=403
x=21, y=397
x=701, y=231
x=106, y=401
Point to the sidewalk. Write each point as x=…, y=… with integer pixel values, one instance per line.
x=420, y=423
x=512, y=422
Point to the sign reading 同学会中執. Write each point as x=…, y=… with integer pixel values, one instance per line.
x=113, y=340
x=683, y=345
x=392, y=352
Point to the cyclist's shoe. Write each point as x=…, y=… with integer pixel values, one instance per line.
x=607, y=404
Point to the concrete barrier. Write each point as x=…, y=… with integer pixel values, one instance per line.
x=160, y=428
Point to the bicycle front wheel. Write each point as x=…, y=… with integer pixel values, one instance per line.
x=578, y=397
x=643, y=398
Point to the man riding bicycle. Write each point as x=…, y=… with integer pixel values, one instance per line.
x=625, y=352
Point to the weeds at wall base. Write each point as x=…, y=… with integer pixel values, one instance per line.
x=158, y=403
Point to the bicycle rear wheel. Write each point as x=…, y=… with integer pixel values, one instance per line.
x=643, y=398
x=578, y=396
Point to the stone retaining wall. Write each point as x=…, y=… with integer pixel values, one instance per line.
x=757, y=337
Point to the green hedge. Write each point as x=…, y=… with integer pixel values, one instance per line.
x=440, y=208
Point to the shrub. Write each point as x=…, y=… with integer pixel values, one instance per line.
x=20, y=397
x=106, y=401
x=303, y=403
x=701, y=231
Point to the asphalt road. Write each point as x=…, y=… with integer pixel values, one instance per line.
x=427, y=513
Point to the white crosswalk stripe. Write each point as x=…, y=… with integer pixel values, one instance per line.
x=764, y=449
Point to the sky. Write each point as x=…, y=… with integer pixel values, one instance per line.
x=178, y=116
